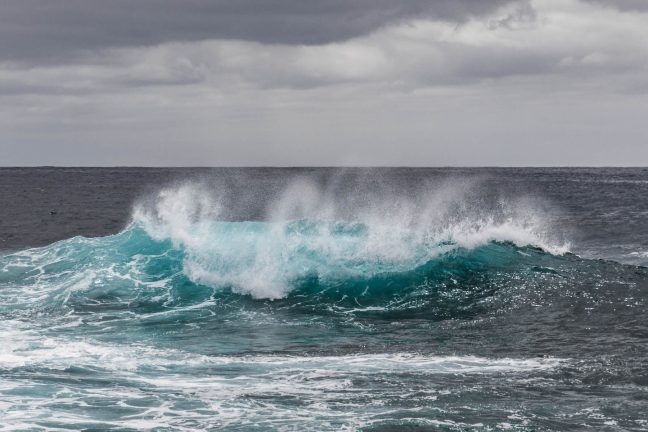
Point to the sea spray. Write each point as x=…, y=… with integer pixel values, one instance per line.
x=308, y=233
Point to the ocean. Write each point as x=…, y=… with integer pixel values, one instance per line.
x=323, y=299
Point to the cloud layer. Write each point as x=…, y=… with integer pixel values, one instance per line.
x=258, y=82
x=55, y=29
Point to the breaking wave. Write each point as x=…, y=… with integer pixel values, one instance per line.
x=177, y=239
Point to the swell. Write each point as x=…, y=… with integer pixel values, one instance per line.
x=438, y=257
x=132, y=270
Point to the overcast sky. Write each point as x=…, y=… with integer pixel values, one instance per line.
x=324, y=82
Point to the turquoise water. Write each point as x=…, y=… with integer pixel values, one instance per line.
x=385, y=317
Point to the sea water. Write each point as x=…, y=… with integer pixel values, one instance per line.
x=324, y=299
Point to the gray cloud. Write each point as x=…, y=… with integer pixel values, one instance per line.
x=323, y=82
x=636, y=5
x=55, y=30
x=522, y=39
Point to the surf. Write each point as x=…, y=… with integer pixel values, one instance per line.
x=438, y=257
x=308, y=232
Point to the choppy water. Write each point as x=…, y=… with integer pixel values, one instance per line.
x=269, y=299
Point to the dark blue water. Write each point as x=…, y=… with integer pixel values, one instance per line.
x=324, y=299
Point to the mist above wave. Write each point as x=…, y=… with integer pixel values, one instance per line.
x=334, y=233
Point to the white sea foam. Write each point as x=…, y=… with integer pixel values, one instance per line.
x=310, y=231
x=155, y=387
x=22, y=346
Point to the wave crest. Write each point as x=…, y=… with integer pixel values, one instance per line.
x=309, y=232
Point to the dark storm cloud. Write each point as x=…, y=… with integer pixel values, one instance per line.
x=55, y=30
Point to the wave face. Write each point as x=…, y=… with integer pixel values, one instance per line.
x=177, y=247
x=328, y=263
x=323, y=313
x=308, y=237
